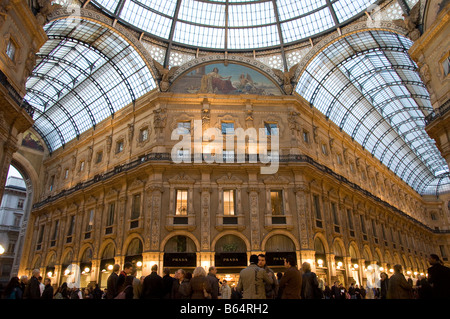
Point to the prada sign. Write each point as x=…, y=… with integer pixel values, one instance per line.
x=230, y=259
x=277, y=258
x=180, y=259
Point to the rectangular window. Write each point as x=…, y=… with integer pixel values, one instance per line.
x=143, y=134
x=66, y=173
x=20, y=203
x=71, y=226
x=181, y=204
x=374, y=228
x=335, y=213
x=229, y=202
x=350, y=219
x=383, y=230
x=276, y=200
x=324, y=149
x=119, y=146
x=184, y=127
x=317, y=207
x=90, y=223
x=55, y=230
x=446, y=66
x=136, y=207
x=52, y=182
x=111, y=214
x=99, y=157
x=338, y=158
x=227, y=128
x=443, y=253
x=17, y=219
x=363, y=225
x=11, y=49
x=41, y=237
x=306, y=137
x=81, y=166
x=271, y=128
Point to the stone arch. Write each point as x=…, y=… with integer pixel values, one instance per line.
x=234, y=233
x=283, y=233
x=104, y=246
x=83, y=249
x=129, y=239
x=338, y=242
x=180, y=233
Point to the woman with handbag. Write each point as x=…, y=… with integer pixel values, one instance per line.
x=200, y=287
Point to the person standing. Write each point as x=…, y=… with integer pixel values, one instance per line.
x=291, y=282
x=252, y=280
x=168, y=282
x=32, y=290
x=384, y=282
x=271, y=290
x=213, y=282
x=310, y=284
x=225, y=290
x=438, y=278
x=398, y=287
x=48, y=289
x=41, y=285
x=152, y=287
x=127, y=269
x=111, y=285
x=181, y=288
x=13, y=290
x=199, y=285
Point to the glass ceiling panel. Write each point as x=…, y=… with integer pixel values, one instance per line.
x=374, y=75
x=83, y=75
x=298, y=20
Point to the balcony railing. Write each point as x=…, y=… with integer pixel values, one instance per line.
x=13, y=94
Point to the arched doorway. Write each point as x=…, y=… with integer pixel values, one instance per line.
x=86, y=267
x=134, y=255
x=50, y=268
x=339, y=261
x=180, y=252
x=106, y=264
x=279, y=247
x=321, y=261
x=230, y=258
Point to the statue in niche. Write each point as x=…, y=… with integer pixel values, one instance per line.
x=164, y=75
x=286, y=77
x=410, y=22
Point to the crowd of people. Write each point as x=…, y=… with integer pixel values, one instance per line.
x=257, y=281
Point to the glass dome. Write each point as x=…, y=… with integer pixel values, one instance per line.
x=234, y=24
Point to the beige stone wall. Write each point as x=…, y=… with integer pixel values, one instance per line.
x=156, y=180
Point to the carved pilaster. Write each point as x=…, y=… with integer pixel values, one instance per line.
x=205, y=218
x=302, y=213
x=254, y=218
x=153, y=222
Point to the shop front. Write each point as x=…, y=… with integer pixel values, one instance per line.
x=106, y=265
x=278, y=248
x=180, y=253
x=230, y=258
x=85, y=268
x=134, y=255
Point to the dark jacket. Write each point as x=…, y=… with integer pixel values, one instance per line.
x=439, y=279
x=214, y=283
x=398, y=287
x=384, y=288
x=310, y=286
x=32, y=290
x=291, y=284
x=271, y=289
x=152, y=287
x=167, y=286
x=111, y=286
x=181, y=290
x=48, y=292
x=197, y=284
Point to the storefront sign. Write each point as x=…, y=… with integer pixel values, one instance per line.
x=180, y=259
x=277, y=258
x=230, y=259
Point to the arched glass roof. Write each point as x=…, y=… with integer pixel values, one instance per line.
x=84, y=73
x=368, y=85
x=234, y=24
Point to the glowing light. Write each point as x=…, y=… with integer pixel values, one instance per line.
x=110, y=267
x=391, y=270
x=381, y=268
x=339, y=264
x=86, y=269
x=355, y=266
x=415, y=273
x=50, y=274
x=320, y=262
x=369, y=267
x=139, y=264
x=66, y=272
x=2, y=249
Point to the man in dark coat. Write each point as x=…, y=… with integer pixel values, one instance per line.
x=213, y=282
x=32, y=290
x=127, y=269
x=111, y=284
x=48, y=290
x=152, y=287
x=438, y=278
x=291, y=282
x=168, y=282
